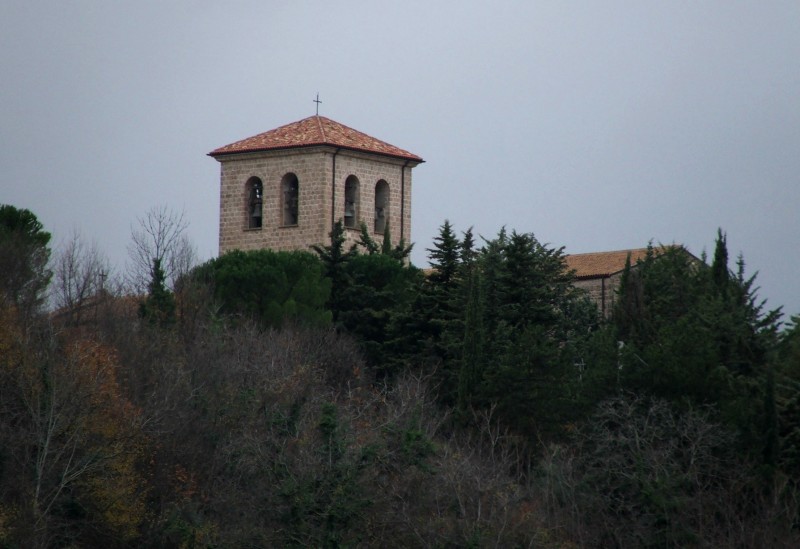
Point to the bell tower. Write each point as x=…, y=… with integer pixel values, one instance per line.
x=285, y=189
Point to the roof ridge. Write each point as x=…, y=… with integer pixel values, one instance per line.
x=321, y=128
x=617, y=251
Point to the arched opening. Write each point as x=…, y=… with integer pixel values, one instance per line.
x=351, y=202
x=290, y=188
x=255, y=198
x=381, y=206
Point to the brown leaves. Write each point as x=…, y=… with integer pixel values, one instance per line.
x=76, y=439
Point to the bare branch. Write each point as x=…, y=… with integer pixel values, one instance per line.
x=80, y=273
x=160, y=234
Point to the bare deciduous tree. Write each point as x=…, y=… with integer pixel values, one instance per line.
x=81, y=271
x=161, y=235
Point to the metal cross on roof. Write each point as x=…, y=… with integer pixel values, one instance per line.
x=317, y=101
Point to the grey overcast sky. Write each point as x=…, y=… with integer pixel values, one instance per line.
x=595, y=125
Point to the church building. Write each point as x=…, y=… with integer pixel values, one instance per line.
x=599, y=274
x=286, y=188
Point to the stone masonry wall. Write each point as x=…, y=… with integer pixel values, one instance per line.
x=270, y=168
x=313, y=168
x=601, y=290
x=369, y=172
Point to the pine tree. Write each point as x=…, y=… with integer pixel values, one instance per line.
x=444, y=257
x=271, y=287
x=24, y=256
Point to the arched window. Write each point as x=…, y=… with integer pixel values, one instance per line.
x=381, y=205
x=255, y=198
x=351, y=202
x=290, y=188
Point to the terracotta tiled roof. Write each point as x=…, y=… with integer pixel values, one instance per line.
x=601, y=264
x=311, y=131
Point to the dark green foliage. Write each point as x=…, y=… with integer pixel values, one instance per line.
x=500, y=328
x=531, y=283
x=468, y=252
x=472, y=357
x=696, y=334
x=274, y=287
x=335, y=258
x=379, y=288
x=531, y=325
x=429, y=334
x=386, y=247
x=442, y=308
x=367, y=242
x=786, y=395
x=399, y=252
x=789, y=348
x=24, y=254
x=720, y=274
x=770, y=421
x=159, y=306
x=444, y=257
x=484, y=418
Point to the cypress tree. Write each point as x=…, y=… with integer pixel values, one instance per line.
x=335, y=258
x=399, y=252
x=159, y=306
x=367, y=242
x=468, y=253
x=719, y=266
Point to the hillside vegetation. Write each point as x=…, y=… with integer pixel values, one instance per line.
x=344, y=398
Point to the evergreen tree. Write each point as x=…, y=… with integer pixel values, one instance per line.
x=159, y=306
x=401, y=252
x=380, y=289
x=334, y=259
x=491, y=260
x=386, y=247
x=719, y=267
x=367, y=242
x=443, y=306
x=468, y=252
x=696, y=334
x=444, y=257
x=527, y=329
x=272, y=287
x=472, y=359
x=24, y=255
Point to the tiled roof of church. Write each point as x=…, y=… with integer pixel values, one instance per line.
x=601, y=264
x=311, y=131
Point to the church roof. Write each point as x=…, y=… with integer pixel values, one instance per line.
x=602, y=264
x=313, y=131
